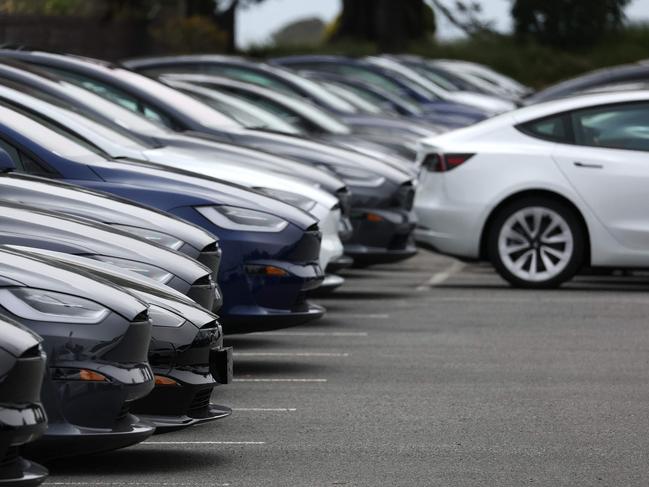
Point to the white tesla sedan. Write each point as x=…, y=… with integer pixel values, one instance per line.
x=544, y=190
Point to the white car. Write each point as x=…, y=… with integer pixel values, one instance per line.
x=544, y=190
x=480, y=73
x=490, y=104
x=202, y=158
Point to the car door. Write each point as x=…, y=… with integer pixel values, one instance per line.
x=608, y=165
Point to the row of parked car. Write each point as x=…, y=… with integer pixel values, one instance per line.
x=138, y=200
x=135, y=206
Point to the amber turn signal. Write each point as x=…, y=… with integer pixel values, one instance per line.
x=161, y=380
x=266, y=270
x=373, y=217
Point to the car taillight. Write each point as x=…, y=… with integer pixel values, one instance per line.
x=444, y=162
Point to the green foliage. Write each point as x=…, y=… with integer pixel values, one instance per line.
x=195, y=34
x=567, y=23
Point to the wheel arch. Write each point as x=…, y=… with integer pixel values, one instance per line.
x=534, y=193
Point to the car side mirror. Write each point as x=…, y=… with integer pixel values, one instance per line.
x=7, y=163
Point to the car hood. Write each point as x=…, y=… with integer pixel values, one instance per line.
x=147, y=290
x=196, y=190
x=490, y=104
x=48, y=194
x=15, y=338
x=253, y=159
x=320, y=154
x=25, y=225
x=42, y=273
x=202, y=162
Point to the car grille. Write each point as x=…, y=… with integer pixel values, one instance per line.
x=200, y=402
x=307, y=249
x=405, y=196
x=123, y=412
x=203, y=291
x=345, y=199
x=134, y=345
x=210, y=257
x=11, y=457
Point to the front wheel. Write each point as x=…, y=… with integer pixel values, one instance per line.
x=536, y=243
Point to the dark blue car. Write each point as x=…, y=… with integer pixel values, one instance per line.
x=270, y=249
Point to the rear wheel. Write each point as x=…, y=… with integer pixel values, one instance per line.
x=536, y=243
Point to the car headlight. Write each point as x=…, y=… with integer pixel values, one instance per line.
x=162, y=317
x=294, y=199
x=146, y=270
x=40, y=305
x=152, y=236
x=358, y=177
x=233, y=218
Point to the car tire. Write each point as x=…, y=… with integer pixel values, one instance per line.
x=536, y=242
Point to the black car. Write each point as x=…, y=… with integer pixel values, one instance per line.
x=22, y=416
x=186, y=351
x=32, y=227
x=145, y=222
x=96, y=337
x=381, y=195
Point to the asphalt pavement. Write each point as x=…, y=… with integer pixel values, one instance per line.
x=423, y=373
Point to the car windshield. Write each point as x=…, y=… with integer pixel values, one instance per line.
x=358, y=101
x=45, y=112
x=295, y=111
x=185, y=104
x=50, y=137
x=124, y=118
x=319, y=93
x=444, y=81
x=244, y=112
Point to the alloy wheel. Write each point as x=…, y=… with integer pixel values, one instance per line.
x=535, y=244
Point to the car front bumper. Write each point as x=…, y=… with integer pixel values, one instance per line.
x=381, y=236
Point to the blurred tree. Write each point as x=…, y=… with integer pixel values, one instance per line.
x=567, y=23
x=388, y=23
x=465, y=15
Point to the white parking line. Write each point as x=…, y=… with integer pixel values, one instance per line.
x=441, y=277
x=312, y=333
x=279, y=380
x=289, y=354
x=203, y=443
x=266, y=410
x=566, y=299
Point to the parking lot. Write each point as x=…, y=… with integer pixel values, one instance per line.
x=427, y=372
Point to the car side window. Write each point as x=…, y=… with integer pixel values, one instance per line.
x=555, y=128
x=117, y=96
x=622, y=126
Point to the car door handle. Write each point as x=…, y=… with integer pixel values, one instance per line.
x=588, y=166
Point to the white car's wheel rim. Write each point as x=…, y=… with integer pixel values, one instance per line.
x=535, y=244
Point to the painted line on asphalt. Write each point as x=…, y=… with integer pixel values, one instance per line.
x=148, y=443
x=311, y=334
x=443, y=276
x=289, y=354
x=266, y=410
x=119, y=484
x=279, y=380
x=525, y=299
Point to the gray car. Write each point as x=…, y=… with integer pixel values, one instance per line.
x=96, y=337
